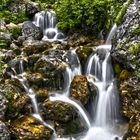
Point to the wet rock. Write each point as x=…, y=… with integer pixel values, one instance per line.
x=7, y=55
x=21, y=39
x=130, y=100
x=5, y=39
x=57, y=111
x=18, y=64
x=50, y=34
x=28, y=127
x=60, y=36
x=42, y=95
x=15, y=97
x=32, y=8
x=52, y=70
x=32, y=59
x=77, y=40
x=30, y=30
x=126, y=41
x=3, y=105
x=79, y=89
x=2, y=25
x=83, y=54
x=33, y=47
x=4, y=133
x=34, y=79
x=133, y=129
x=130, y=97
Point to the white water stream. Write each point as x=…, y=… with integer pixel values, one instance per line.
x=103, y=126
x=46, y=20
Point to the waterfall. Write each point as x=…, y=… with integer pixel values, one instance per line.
x=99, y=72
x=72, y=70
x=107, y=105
x=23, y=81
x=46, y=20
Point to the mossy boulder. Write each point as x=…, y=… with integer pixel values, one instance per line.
x=29, y=128
x=57, y=111
x=30, y=30
x=32, y=8
x=34, y=46
x=52, y=70
x=79, y=89
x=134, y=128
x=14, y=29
x=83, y=54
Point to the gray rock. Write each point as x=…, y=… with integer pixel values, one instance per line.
x=3, y=106
x=125, y=38
x=4, y=133
x=30, y=30
x=32, y=8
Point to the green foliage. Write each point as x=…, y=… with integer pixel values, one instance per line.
x=16, y=31
x=137, y=72
x=90, y=15
x=136, y=31
x=122, y=12
x=3, y=44
x=135, y=48
x=6, y=13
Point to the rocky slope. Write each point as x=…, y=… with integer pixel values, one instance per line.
x=126, y=56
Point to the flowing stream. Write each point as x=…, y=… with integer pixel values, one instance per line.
x=46, y=20
x=103, y=125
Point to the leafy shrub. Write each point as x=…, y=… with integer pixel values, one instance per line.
x=90, y=15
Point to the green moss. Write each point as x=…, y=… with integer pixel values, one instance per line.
x=122, y=12
x=136, y=31
x=117, y=69
x=137, y=73
x=16, y=31
x=124, y=74
x=11, y=110
x=135, y=48
x=3, y=44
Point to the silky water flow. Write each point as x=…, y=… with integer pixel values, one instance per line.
x=99, y=72
x=47, y=20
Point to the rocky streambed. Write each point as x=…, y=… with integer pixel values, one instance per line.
x=44, y=65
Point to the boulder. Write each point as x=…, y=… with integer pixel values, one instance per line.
x=5, y=39
x=28, y=127
x=79, y=89
x=57, y=111
x=52, y=70
x=32, y=8
x=83, y=54
x=30, y=30
x=35, y=46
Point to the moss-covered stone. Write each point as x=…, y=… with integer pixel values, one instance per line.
x=135, y=48
x=58, y=111
x=79, y=89
x=29, y=128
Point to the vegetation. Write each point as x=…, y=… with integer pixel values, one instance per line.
x=89, y=15
x=16, y=16
x=122, y=12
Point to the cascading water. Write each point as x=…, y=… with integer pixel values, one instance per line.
x=30, y=92
x=106, y=111
x=103, y=125
x=46, y=20
x=70, y=72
